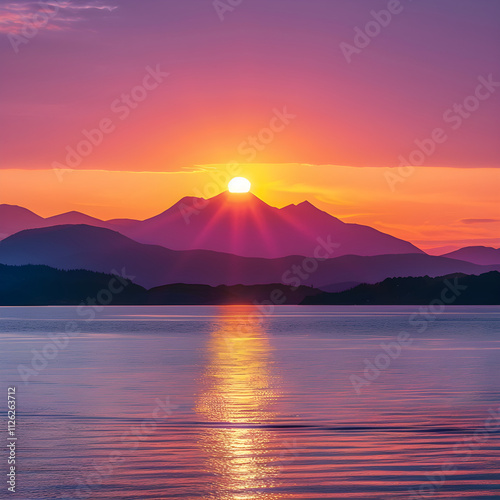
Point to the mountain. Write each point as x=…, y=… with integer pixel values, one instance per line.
x=236, y=223
x=14, y=219
x=104, y=250
x=43, y=285
x=477, y=255
x=464, y=290
x=73, y=218
x=242, y=224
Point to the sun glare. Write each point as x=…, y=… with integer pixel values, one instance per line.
x=239, y=185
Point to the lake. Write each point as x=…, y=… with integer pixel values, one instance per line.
x=229, y=403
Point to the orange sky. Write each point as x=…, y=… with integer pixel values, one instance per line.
x=156, y=96
x=434, y=206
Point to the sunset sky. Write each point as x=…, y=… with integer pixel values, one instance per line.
x=185, y=94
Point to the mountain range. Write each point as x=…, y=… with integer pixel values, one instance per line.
x=236, y=223
x=103, y=250
x=43, y=285
x=14, y=219
x=230, y=239
x=460, y=290
x=242, y=224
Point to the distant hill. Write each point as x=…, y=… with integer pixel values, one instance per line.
x=103, y=250
x=477, y=255
x=42, y=285
x=14, y=219
x=481, y=290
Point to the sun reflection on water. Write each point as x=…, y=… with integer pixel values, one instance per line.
x=236, y=400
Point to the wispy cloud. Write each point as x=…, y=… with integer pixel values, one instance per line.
x=199, y=168
x=18, y=18
x=479, y=221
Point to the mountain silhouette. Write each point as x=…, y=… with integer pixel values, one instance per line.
x=14, y=219
x=107, y=251
x=477, y=255
x=43, y=285
x=236, y=223
x=461, y=290
x=242, y=224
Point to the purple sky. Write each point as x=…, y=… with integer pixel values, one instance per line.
x=227, y=76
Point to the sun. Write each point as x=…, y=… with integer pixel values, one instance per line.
x=239, y=185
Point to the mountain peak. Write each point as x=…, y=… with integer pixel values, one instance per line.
x=240, y=224
x=14, y=218
x=6, y=208
x=476, y=254
x=307, y=209
x=71, y=212
x=228, y=197
x=305, y=203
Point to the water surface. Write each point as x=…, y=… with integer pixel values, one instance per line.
x=223, y=403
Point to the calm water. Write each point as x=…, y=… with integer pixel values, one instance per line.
x=212, y=403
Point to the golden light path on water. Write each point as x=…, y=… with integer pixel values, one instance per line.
x=237, y=397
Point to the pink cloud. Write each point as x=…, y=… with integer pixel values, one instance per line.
x=18, y=18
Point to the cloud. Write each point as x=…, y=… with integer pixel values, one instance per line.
x=18, y=18
x=479, y=221
x=200, y=168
